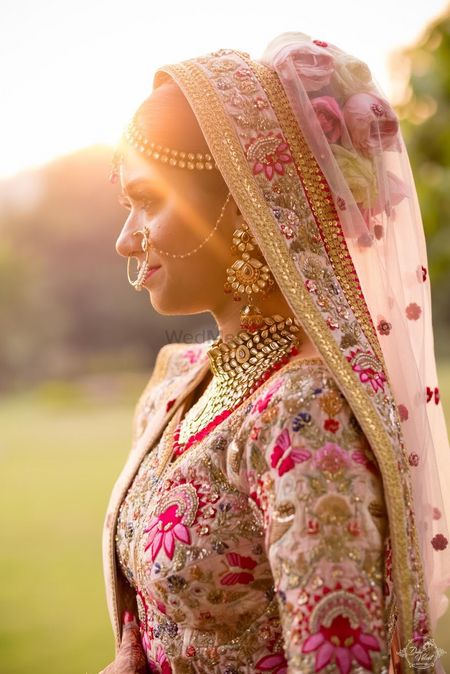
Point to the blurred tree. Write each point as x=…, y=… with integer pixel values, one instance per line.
x=422, y=73
x=65, y=304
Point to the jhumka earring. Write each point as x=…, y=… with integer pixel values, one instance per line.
x=248, y=275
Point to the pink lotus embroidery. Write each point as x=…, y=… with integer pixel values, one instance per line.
x=284, y=456
x=164, y=530
x=275, y=663
x=178, y=510
x=368, y=368
x=237, y=561
x=341, y=643
x=269, y=154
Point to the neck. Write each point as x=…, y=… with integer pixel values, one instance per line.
x=227, y=314
x=239, y=366
x=251, y=352
x=228, y=321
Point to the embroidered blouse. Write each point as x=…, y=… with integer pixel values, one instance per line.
x=265, y=547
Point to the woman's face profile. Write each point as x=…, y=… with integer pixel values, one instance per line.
x=180, y=208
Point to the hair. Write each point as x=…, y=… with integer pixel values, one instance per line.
x=166, y=118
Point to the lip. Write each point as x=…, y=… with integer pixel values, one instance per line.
x=151, y=271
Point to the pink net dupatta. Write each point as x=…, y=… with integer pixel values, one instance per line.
x=355, y=137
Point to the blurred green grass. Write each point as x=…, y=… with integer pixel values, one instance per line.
x=61, y=449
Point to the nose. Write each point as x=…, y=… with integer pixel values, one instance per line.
x=127, y=244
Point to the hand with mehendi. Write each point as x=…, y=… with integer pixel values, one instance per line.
x=130, y=658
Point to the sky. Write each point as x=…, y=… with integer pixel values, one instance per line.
x=73, y=72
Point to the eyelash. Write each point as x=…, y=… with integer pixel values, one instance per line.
x=145, y=204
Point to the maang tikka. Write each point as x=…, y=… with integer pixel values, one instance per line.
x=248, y=275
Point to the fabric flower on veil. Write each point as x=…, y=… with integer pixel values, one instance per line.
x=372, y=124
x=314, y=66
x=350, y=75
x=358, y=124
x=359, y=174
x=330, y=117
x=396, y=192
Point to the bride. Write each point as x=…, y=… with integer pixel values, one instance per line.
x=276, y=512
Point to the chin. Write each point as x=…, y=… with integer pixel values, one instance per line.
x=173, y=307
x=164, y=306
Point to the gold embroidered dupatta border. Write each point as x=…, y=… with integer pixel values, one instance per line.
x=227, y=150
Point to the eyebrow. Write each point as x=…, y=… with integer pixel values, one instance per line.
x=135, y=187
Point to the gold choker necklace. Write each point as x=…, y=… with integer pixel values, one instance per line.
x=239, y=367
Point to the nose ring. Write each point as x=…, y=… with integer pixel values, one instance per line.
x=142, y=272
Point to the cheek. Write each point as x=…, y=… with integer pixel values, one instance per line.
x=205, y=269
x=182, y=228
x=197, y=276
x=168, y=234
x=172, y=236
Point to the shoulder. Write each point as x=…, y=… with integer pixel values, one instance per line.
x=172, y=361
x=301, y=385
x=178, y=358
x=175, y=359
x=300, y=407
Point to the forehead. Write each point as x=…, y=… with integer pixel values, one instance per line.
x=137, y=172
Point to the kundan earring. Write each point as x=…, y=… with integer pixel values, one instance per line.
x=248, y=275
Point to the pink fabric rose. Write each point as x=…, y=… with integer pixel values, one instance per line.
x=314, y=66
x=330, y=117
x=372, y=124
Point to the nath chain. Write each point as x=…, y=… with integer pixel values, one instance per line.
x=146, y=241
x=146, y=244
